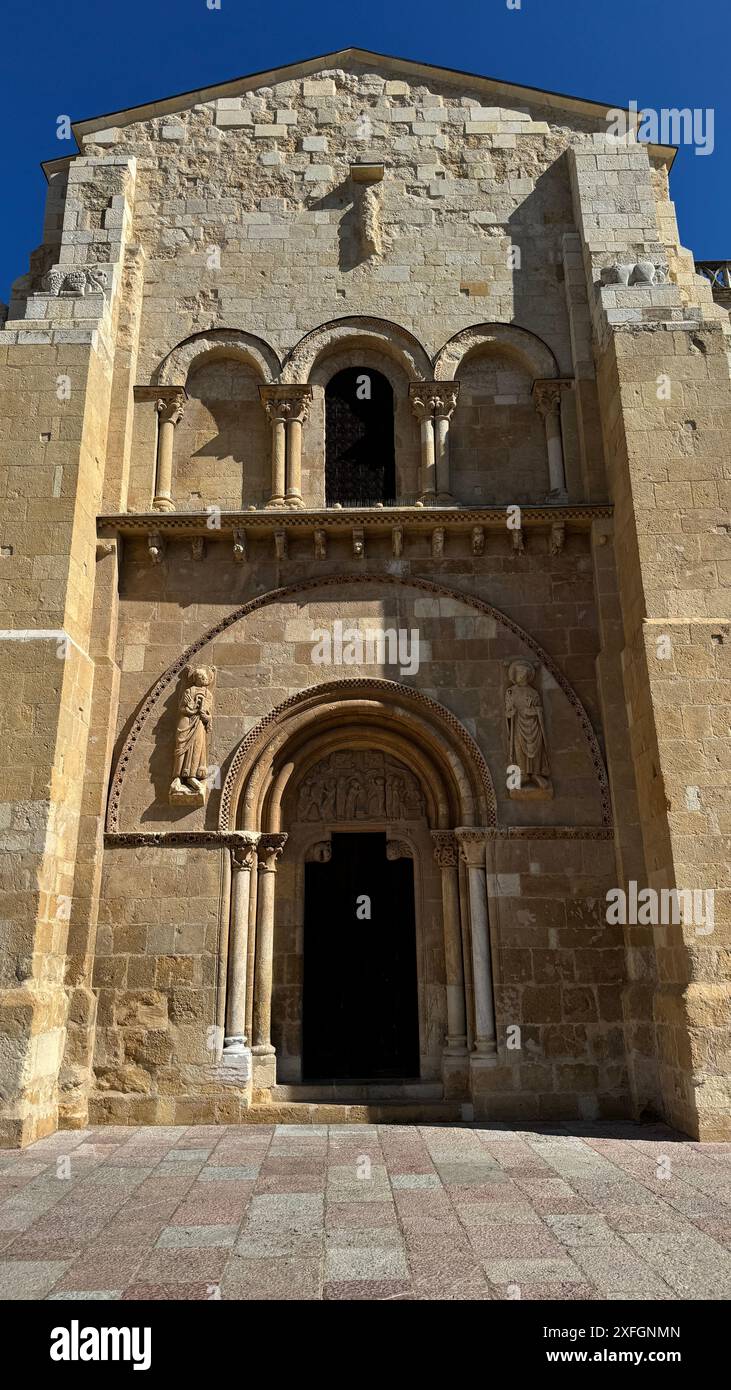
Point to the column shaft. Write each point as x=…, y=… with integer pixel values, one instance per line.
x=243, y=859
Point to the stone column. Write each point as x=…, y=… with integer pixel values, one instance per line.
x=288, y=407
x=446, y=854
x=243, y=859
x=472, y=851
x=421, y=404
x=433, y=404
x=169, y=408
x=445, y=401
x=547, y=399
x=269, y=849
x=300, y=401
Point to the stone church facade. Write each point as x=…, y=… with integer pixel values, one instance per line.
x=365, y=473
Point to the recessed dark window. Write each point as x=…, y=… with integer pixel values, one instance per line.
x=359, y=453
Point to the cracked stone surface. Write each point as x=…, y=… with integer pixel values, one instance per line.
x=366, y=1212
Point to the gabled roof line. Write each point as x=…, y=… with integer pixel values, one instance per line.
x=199, y=95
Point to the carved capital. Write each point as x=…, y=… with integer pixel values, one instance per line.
x=243, y=854
x=547, y=397
x=170, y=405
x=269, y=849
x=433, y=398
x=471, y=846
x=446, y=848
x=283, y=403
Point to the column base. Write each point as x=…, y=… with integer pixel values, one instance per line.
x=456, y=1075
x=163, y=504
x=236, y=1057
x=293, y=500
x=275, y=504
x=558, y=495
x=264, y=1061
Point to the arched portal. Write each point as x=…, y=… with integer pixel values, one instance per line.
x=358, y=951
x=359, y=443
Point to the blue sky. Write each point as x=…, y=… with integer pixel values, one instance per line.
x=78, y=58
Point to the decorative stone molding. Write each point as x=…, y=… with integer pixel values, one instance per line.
x=537, y=358
x=385, y=337
x=446, y=848
x=356, y=786
x=412, y=517
x=218, y=342
x=635, y=273
x=155, y=694
x=190, y=754
x=60, y=281
x=217, y=839
x=526, y=732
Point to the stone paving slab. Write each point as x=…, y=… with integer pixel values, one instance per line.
x=366, y=1212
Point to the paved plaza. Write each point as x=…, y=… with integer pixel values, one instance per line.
x=366, y=1212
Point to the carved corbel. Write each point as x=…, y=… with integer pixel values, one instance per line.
x=240, y=552
x=319, y=853
x=397, y=542
x=156, y=547
x=198, y=548
x=320, y=543
x=557, y=538
x=398, y=849
x=358, y=542
x=280, y=545
x=437, y=543
x=517, y=540
x=478, y=540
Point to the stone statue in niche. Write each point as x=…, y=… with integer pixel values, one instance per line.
x=526, y=730
x=190, y=756
x=360, y=786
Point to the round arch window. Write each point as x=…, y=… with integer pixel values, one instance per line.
x=359, y=450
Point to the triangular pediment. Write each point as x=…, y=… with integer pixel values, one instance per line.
x=494, y=91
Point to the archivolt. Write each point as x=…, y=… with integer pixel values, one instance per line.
x=217, y=342
x=154, y=696
x=388, y=338
x=517, y=342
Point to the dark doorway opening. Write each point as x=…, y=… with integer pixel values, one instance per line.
x=360, y=1019
x=359, y=453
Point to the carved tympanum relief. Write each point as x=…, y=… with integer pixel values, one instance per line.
x=526, y=732
x=190, y=755
x=359, y=786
